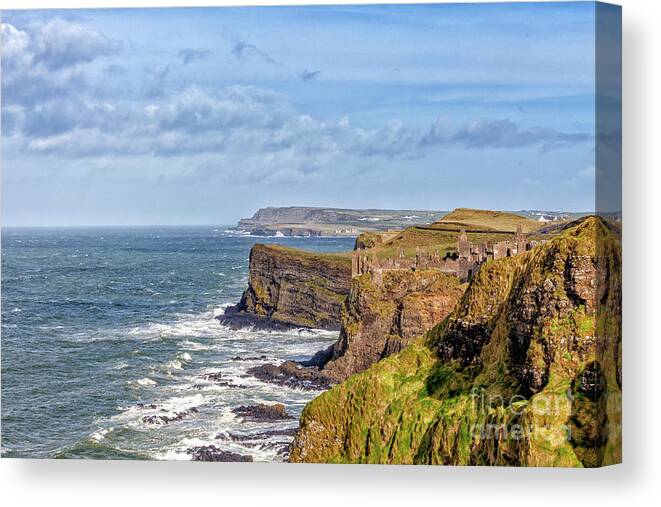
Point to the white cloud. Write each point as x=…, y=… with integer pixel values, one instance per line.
x=51, y=106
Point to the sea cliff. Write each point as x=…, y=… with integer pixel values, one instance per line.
x=524, y=371
x=383, y=316
x=292, y=288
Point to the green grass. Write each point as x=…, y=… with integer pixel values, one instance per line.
x=487, y=219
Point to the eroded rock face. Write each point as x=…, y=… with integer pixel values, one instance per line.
x=382, y=318
x=292, y=288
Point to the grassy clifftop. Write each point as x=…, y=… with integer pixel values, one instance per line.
x=486, y=219
x=525, y=371
x=483, y=226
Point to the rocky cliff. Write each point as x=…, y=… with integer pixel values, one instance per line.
x=289, y=287
x=524, y=371
x=382, y=317
x=378, y=318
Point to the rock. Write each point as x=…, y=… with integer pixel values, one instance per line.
x=213, y=377
x=213, y=453
x=290, y=288
x=149, y=405
x=262, y=412
x=382, y=318
x=166, y=419
x=263, y=435
x=293, y=375
x=250, y=358
x=217, y=379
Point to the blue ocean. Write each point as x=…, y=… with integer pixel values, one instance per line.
x=105, y=330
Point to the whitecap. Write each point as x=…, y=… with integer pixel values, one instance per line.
x=173, y=365
x=100, y=434
x=145, y=382
x=185, y=357
x=193, y=346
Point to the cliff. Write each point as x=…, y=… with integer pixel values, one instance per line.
x=524, y=371
x=310, y=221
x=378, y=318
x=382, y=317
x=290, y=287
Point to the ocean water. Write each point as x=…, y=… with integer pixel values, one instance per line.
x=104, y=327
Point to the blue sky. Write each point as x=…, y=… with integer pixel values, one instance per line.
x=185, y=116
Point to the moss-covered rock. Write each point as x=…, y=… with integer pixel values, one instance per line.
x=525, y=371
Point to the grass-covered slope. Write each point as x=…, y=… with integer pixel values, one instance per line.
x=525, y=371
x=469, y=218
x=482, y=226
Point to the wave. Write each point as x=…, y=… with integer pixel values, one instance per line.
x=192, y=346
x=143, y=382
x=178, y=362
x=198, y=325
x=100, y=434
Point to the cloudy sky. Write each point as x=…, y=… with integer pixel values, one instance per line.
x=201, y=116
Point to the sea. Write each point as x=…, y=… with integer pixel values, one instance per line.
x=108, y=333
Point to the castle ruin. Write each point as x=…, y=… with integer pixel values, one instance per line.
x=464, y=263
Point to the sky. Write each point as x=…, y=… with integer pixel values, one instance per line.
x=202, y=116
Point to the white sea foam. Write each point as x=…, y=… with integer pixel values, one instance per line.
x=186, y=325
x=173, y=365
x=192, y=346
x=145, y=382
x=100, y=434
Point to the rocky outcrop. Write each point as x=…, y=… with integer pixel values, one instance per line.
x=292, y=288
x=524, y=371
x=382, y=317
x=213, y=453
x=306, y=376
x=168, y=417
x=378, y=319
x=262, y=412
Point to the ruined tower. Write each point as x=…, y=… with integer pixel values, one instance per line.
x=519, y=240
x=463, y=246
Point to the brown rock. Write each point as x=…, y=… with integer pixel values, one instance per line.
x=292, y=288
x=382, y=318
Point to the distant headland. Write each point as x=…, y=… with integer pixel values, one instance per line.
x=305, y=221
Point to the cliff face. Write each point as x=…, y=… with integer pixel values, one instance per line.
x=382, y=317
x=524, y=371
x=292, y=287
